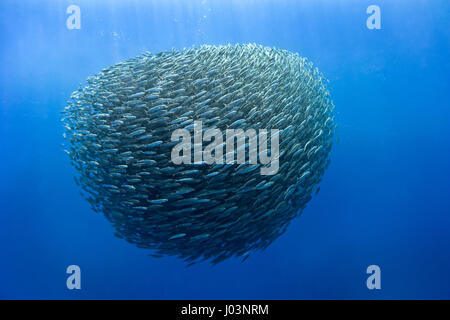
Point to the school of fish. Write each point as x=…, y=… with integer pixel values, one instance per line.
x=119, y=127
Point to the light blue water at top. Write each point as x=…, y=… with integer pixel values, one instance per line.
x=384, y=199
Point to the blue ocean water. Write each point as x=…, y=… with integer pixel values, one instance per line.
x=384, y=199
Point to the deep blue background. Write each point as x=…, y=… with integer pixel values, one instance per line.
x=384, y=200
